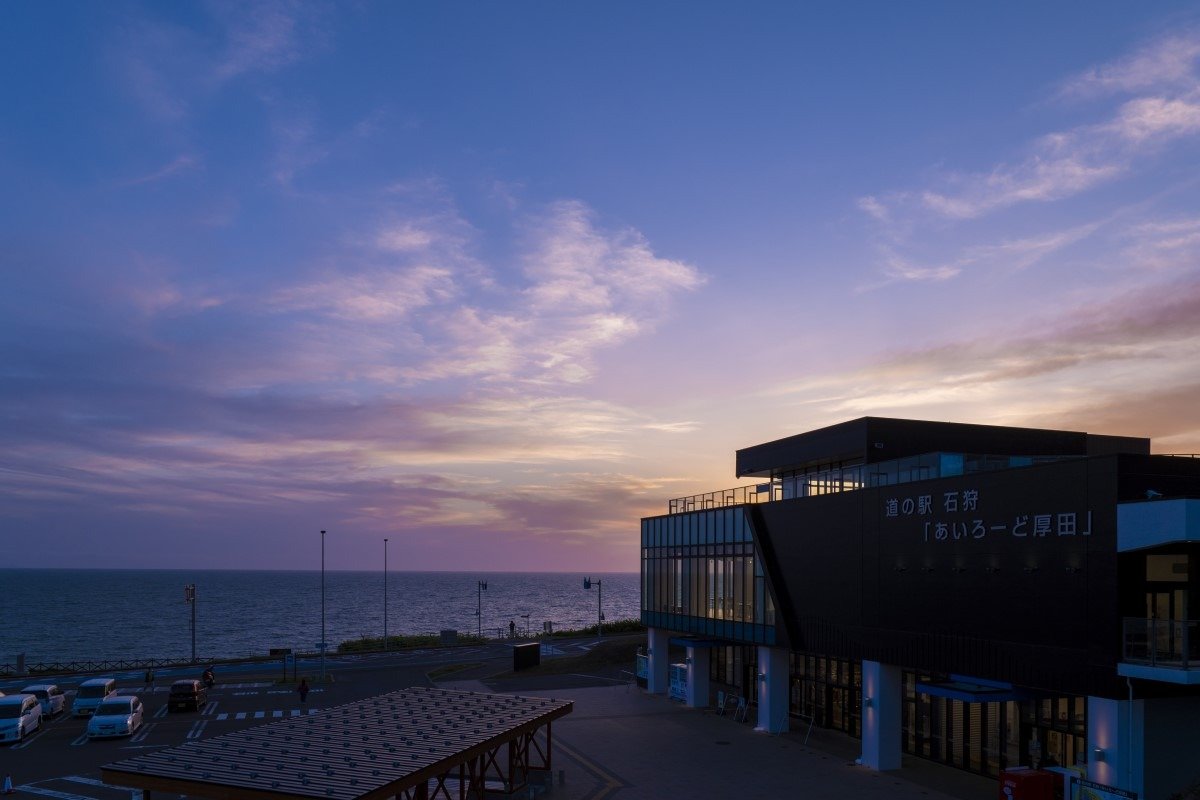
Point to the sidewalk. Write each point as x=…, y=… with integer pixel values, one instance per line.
x=624, y=744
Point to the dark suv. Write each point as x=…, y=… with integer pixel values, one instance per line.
x=187, y=695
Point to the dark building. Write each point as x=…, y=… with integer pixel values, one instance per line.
x=982, y=596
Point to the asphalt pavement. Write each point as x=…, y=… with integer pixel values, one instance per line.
x=619, y=742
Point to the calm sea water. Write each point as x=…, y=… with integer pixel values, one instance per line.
x=75, y=615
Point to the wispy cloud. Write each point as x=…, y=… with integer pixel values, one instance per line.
x=1081, y=357
x=266, y=35
x=1169, y=61
x=1150, y=104
x=181, y=163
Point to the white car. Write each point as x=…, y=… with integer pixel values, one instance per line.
x=50, y=696
x=115, y=716
x=20, y=714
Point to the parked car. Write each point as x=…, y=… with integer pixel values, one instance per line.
x=19, y=715
x=50, y=696
x=116, y=716
x=92, y=693
x=187, y=695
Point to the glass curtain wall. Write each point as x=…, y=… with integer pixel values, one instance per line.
x=701, y=575
x=989, y=737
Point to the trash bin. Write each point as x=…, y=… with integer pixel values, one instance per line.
x=526, y=655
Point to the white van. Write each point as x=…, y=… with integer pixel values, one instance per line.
x=91, y=694
x=20, y=714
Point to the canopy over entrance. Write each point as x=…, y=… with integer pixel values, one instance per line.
x=417, y=743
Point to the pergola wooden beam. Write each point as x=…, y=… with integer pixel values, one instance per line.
x=379, y=748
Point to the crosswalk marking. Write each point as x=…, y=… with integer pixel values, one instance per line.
x=236, y=715
x=197, y=729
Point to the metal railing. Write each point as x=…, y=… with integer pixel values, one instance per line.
x=1167, y=643
x=759, y=493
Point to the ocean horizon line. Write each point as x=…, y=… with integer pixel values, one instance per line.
x=327, y=570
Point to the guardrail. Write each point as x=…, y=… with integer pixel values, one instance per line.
x=1168, y=643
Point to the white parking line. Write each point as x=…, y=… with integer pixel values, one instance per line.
x=52, y=793
x=28, y=740
x=81, y=779
x=277, y=714
x=162, y=712
x=259, y=714
x=240, y=715
x=143, y=733
x=210, y=708
x=81, y=740
x=197, y=729
x=222, y=717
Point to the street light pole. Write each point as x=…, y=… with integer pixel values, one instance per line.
x=323, y=606
x=587, y=584
x=189, y=597
x=479, y=586
x=385, y=642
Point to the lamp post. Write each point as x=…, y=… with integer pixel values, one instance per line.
x=323, y=606
x=479, y=586
x=189, y=597
x=385, y=643
x=587, y=584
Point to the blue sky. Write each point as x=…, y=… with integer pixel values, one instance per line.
x=496, y=280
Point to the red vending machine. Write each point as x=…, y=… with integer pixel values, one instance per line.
x=1023, y=783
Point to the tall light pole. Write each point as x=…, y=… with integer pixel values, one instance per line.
x=587, y=584
x=323, y=606
x=189, y=597
x=479, y=586
x=385, y=643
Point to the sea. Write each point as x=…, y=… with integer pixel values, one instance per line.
x=61, y=615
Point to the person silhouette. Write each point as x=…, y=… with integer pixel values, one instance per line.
x=512, y=629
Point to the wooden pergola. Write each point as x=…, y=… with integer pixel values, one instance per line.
x=415, y=744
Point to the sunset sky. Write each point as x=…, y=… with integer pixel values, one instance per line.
x=494, y=280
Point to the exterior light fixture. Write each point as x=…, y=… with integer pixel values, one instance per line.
x=868, y=702
x=1098, y=752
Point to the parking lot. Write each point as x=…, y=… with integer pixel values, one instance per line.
x=59, y=761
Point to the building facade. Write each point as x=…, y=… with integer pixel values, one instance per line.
x=982, y=596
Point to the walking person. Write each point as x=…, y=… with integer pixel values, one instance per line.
x=302, y=689
x=8, y=787
x=149, y=680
